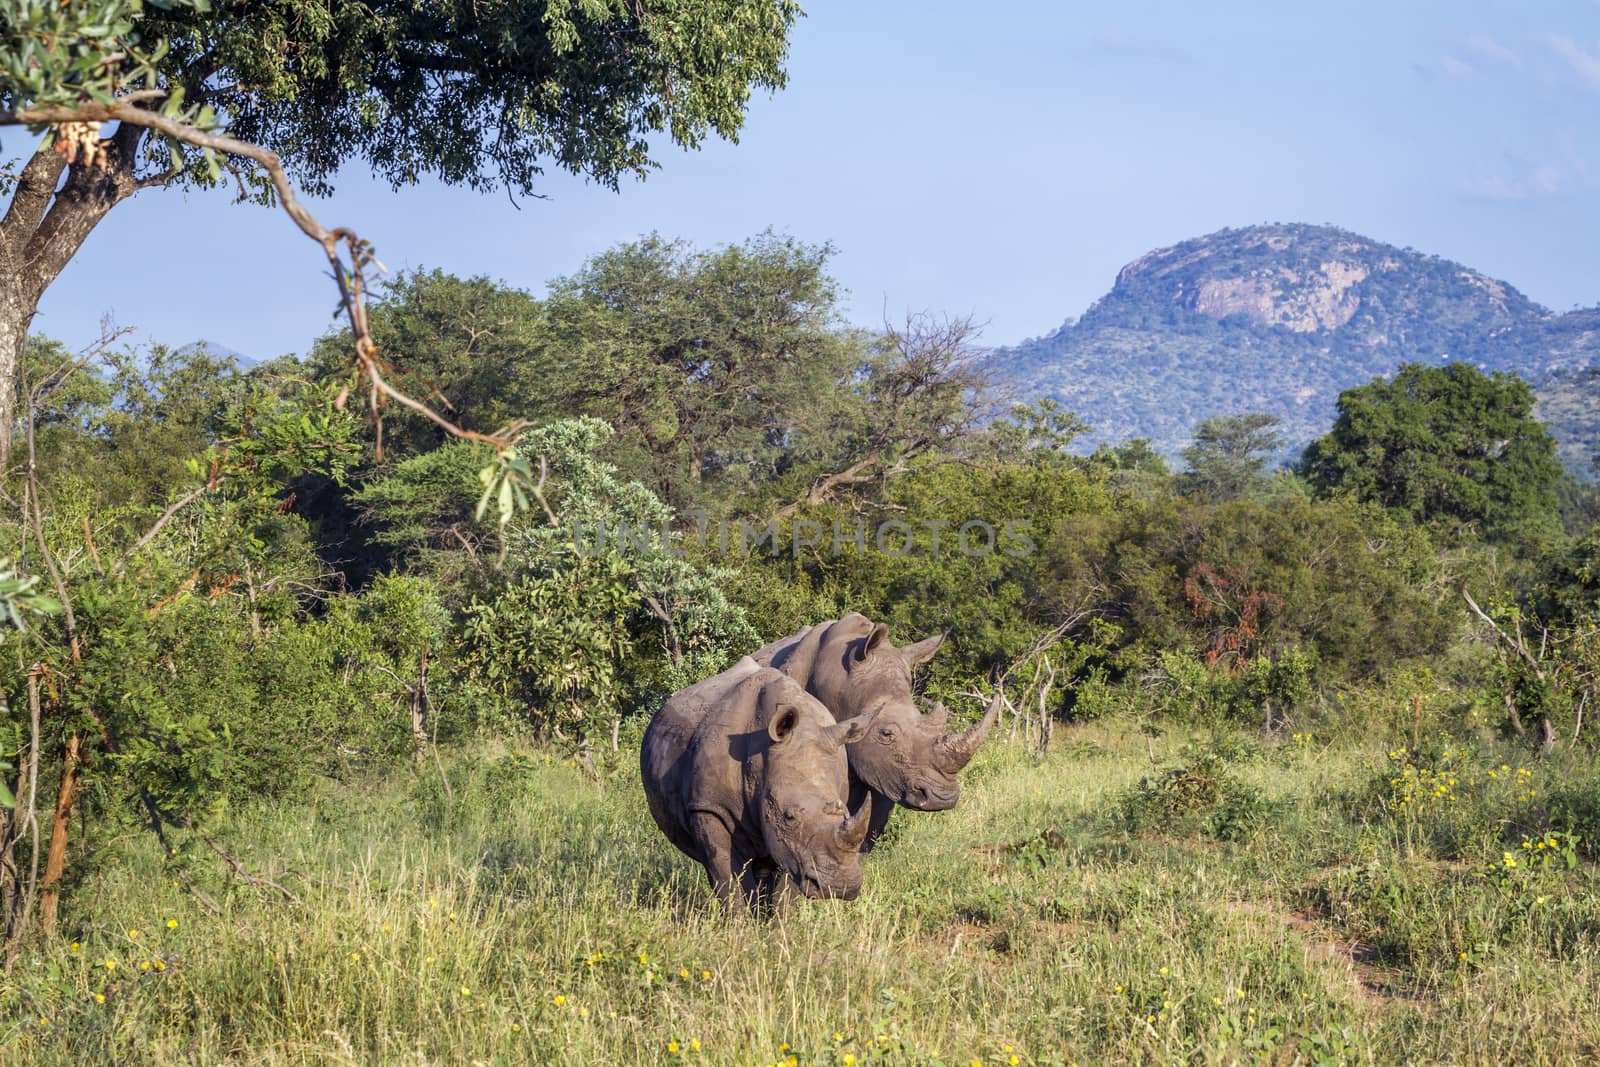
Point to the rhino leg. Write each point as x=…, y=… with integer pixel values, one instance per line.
x=715, y=843
x=882, y=808
x=767, y=889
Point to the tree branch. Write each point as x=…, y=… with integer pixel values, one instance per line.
x=352, y=285
x=1515, y=644
x=35, y=186
x=166, y=517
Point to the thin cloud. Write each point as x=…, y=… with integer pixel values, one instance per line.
x=1530, y=183
x=1584, y=63
x=1491, y=50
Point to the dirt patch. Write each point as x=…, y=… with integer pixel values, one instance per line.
x=1355, y=960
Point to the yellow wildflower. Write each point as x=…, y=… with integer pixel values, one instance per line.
x=558, y=1000
x=99, y=998
x=172, y=924
x=672, y=1046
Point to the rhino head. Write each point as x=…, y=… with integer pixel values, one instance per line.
x=905, y=755
x=803, y=791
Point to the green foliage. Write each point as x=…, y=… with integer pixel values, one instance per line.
x=19, y=596
x=422, y=508
x=1229, y=454
x=1228, y=584
x=474, y=92
x=477, y=343
x=550, y=650
x=1201, y=795
x=951, y=534
x=1446, y=445
x=694, y=356
x=599, y=612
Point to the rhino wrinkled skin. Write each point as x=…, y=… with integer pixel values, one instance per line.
x=746, y=773
x=907, y=757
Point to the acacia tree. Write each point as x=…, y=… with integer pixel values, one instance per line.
x=483, y=93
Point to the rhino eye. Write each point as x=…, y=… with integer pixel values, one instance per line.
x=887, y=733
x=791, y=815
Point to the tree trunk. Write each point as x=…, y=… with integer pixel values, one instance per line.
x=13, y=336
x=42, y=230
x=55, y=862
x=419, y=710
x=1547, y=736
x=1513, y=718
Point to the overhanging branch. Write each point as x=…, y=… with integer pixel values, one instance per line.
x=348, y=275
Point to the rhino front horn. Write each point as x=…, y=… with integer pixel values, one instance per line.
x=955, y=751
x=853, y=830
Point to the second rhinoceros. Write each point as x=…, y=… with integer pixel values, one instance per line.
x=746, y=773
x=907, y=757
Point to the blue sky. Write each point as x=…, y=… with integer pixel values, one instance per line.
x=1003, y=164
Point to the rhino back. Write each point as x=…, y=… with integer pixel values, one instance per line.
x=692, y=756
x=816, y=656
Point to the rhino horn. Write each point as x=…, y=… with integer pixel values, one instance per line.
x=938, y=715
x=853, y=830
x=954, y=751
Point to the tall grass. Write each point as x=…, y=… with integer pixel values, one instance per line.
x=530, y=915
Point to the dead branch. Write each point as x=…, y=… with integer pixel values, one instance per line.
x=1514, y=643
x=257, y=880
x=160, y=523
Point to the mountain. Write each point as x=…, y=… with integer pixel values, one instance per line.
x=1282, y=318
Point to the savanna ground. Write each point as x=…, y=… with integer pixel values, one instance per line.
x=1269, y=902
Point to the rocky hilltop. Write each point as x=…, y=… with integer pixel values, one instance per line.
x=1281, y=318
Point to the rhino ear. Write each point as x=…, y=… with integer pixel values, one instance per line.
x=783, y=723
x=922, y=651
x=879, y=634
x=852, y=730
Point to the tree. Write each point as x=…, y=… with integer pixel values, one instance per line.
x=706, y=363
x=475, y=341
x=1229, y=454
x=921, y=391
x=484, y=93
x=1441, y=444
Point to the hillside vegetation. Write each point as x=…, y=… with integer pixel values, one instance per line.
x=1281, y=319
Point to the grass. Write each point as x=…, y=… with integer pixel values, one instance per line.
x=1063, y=913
